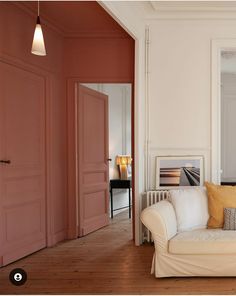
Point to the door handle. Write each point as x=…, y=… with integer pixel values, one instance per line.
x=5, y=161
x=109, y=159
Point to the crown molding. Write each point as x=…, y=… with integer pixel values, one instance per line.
x=229, y=16
x=194, y=6
x=95, y=35
x=160, y=148
x=188, y=10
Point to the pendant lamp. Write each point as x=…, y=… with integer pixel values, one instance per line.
x=38, y=46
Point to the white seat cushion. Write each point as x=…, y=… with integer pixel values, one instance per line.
x=204, y=241
x=191, y=207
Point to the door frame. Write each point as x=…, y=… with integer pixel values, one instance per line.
x=73, y=193
x=217, y=45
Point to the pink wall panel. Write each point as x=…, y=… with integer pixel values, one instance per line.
x=104, y=59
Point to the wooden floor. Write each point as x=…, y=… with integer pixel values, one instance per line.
x=104, y=262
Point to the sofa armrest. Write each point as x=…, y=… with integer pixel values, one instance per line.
x=160, y=219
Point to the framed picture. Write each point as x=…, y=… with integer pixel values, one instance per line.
x=175, y=171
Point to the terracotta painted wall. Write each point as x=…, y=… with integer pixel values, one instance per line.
x=16, y=32
x=100, y=59
x=105, y=57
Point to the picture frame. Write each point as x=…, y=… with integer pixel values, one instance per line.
x=178, y=171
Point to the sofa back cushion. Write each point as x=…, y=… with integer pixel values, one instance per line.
x=219, y=197
x=191, y=208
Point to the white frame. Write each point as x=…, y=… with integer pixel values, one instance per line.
x=139, y=93
x=217, y=46
x=178, y=157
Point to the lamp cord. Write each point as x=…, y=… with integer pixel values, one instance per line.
x=38, y=7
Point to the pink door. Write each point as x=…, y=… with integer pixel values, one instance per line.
x=92, y=138
x=22, y=181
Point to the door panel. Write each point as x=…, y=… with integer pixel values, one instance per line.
x=92, y=166
x=22, y=182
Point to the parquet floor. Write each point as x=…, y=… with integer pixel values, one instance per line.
x=104, y=262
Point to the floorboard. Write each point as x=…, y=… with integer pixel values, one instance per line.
x=104, y=262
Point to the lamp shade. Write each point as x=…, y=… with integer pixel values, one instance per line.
x=38, y=47
x=123, y=159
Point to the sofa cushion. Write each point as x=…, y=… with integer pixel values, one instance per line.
x=204, y=241
x=219, y=197
x=191, y=208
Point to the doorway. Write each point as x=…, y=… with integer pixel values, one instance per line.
x=228, y=119
x=114, y=129
x=222, y=51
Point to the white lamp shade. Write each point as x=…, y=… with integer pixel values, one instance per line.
x=38, y=47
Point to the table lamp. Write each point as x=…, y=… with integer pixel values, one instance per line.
x=123, y=161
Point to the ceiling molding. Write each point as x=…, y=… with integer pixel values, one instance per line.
x=188, y=10
x=194, y=6
x=229, y=16
x=101, y=35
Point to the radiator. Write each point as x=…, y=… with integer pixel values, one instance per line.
x=150, y=198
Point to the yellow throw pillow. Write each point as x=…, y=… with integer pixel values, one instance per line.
x=219, y=197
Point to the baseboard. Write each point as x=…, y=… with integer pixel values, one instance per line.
x=59, y=236
x=12, y=256
x=72, y=233
x=49, y=240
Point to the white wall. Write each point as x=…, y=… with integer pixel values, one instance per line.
x=176, y=98
x=180, y=87
x=119, y=131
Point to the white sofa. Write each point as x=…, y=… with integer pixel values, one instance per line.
x=196, y=251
